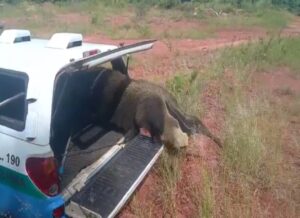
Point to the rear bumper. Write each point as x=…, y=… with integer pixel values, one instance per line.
x=20, y=205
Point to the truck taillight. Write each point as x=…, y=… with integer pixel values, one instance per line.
x=44, y=174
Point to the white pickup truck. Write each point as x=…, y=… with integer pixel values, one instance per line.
x=47, y=170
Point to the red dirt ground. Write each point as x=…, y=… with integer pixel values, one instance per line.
x=169, y=55
x=202, y=150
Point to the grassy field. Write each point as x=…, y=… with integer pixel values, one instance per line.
x=257, y=173
x=126, y=21
x=253, y=163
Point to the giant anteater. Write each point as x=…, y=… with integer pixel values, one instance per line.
x=135, y=106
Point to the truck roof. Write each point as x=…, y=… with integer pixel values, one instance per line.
x=35, y=57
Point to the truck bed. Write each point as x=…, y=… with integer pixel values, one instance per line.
x=80, y=156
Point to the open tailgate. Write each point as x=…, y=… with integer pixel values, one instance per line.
x=110, y=188
x=104, y=57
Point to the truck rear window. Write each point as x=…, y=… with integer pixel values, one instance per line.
x=13, y=106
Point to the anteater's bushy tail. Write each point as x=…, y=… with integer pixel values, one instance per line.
x=189, y=124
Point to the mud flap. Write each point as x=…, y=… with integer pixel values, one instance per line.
x=108, y=191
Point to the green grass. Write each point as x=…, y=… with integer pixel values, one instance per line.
x=253, y=155
x=87, y=17
x=186, y=88
x=253, y=161
x=272, y=19
x=94, y=17
x=269, y=19
x=169, y=170
x=141, y=209
x=207, y=201
x=201, y=193
x=266, y=55
x=250, y=139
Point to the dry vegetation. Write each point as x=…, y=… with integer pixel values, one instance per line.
x=255, y=176
x=136, y=21
x=257, y=173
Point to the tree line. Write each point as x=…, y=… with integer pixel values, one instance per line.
x=292, y=5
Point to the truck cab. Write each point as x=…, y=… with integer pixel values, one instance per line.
x=54, y=160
